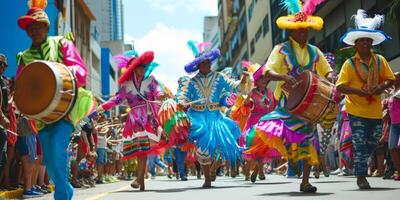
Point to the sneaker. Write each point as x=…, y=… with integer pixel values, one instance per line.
x=31, y=194
x=99, y=182
x=169, y=176
x=397, y=178
x=336, y=172
x=37, y=189
x=107, y=179
x=45, y=187
x=184, y=178
x=153, y=177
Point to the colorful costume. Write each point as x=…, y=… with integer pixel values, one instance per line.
x=346, y=144
x=145, y=136
x=54, y=138
x=279, y=129
x=210, y=130
x=365, y=113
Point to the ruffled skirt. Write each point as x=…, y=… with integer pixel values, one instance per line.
x=282, y=134
x=212, y=132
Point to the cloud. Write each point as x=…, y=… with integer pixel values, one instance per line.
x=171, y=52
x=128, y=39
x=210, y=7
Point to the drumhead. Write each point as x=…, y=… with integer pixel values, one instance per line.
x=35, y=88
x=297, y=94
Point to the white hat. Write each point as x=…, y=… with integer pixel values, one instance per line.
x=366, y=28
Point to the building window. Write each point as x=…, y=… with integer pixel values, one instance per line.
x=252, y=49
x=258, y=34
x=266, y=24
x=250, y=10
x=242, y=26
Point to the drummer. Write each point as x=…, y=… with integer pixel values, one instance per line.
x=279, y=129
x=55, y=137
x=363, y=78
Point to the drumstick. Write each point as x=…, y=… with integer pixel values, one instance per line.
x=193, y=102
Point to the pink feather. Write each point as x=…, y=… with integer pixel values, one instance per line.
x=203, y=45
x=245, y=63
x=310, y=6
x=121, y=60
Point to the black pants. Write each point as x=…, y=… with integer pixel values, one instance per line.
x=3, y=152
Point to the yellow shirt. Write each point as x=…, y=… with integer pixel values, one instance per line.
x=360, y=106
x=278, y=63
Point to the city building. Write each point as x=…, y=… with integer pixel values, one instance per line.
x=245, y=32
x=233, y=29
x=337, y=17
x=211, y=34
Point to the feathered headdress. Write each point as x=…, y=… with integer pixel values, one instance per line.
x=201, y=54
x=300, y=15
x=366, y=28
x=253, y=68
x=42, y=4
x=35, y=13
x=146, y=59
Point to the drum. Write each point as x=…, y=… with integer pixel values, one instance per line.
x=312, y=98
x=45, y=91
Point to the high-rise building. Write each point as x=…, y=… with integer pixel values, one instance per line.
x=109, y=23
x=211, y=34
x=245, y=31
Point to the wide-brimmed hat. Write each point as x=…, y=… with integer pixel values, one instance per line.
x=300, y=15
x=201, y=55
x=255, y=69
x=366, y=28
x=146, y=59
x=32, y=16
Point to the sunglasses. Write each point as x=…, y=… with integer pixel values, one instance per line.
x=3, y=64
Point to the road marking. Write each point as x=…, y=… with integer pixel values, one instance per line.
x=107, y=193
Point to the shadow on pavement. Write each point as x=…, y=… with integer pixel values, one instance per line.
x=268, y=183
x=296, y=194
x=330, y=181
x=374, y=189
x=174, y=190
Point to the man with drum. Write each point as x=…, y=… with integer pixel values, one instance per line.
x=363, y=78
x=54, y=137
x=289, y=134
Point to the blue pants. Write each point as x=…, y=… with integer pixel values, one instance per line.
x=153, y=161
x=290, y=171
x=54, y=139
x=180, y=157
x=366, y=133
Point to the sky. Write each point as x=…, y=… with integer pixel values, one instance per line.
x=165, y=26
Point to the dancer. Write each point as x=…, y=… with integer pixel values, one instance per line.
x=54, y=138
x=363, y=78
x=259, y=102
x=210, y=130
x=143, y=94
x=279, y=129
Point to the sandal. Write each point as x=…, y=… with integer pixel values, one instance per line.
x=261, y=177
x=213, y=176
x=363, y=184
x=253, y=176
x=135, y=184
x=308, y=188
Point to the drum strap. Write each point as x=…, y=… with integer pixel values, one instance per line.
x=297, y=69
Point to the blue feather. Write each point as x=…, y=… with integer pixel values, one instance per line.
x=193, y=46
x=149, y=68
x=131, y=53
x=292, y=6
